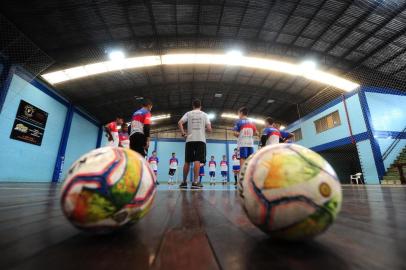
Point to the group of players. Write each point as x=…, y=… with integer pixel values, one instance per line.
x=137, y=138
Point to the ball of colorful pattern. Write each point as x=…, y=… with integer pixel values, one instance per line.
x=107, y=188
x=290, y=192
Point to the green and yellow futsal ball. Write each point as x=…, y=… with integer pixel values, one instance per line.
x=107, y=188
x=290, y=192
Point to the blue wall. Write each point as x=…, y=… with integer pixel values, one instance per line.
x=340, y=135
x=104, y=141
x=376, y=117
x=217, y=150
x=22, y=161
x=82, y=138
x=165, y=147
x=31, y=163
x=388, y=116
x=367, y=161
x=165, y=150
x=311, y=138
x=388, y=111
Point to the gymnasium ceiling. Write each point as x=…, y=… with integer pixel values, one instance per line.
x=362, y=40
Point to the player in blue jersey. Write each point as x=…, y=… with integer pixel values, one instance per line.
x=140, y=128
x=201, y=172
x=285, y=135
x=245, y=130
x=270, y=134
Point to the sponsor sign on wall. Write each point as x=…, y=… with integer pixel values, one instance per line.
x=29, y=125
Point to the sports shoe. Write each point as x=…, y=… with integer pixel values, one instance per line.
x=196, y=185
x=183, y=185
x=200, y=185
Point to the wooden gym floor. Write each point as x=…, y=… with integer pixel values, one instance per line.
x=199, y=230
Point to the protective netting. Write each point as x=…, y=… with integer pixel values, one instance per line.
x=374, y=131
x=363, y=41
x=18, y=51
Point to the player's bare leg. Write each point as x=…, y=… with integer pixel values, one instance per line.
x=186, y=169
x=196, y=170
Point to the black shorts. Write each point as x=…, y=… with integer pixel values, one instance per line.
x=138, y=142
x=172, y=172
x=195, y=151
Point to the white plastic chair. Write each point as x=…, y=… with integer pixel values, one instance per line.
x=356, y=177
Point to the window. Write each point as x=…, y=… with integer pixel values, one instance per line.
x=298, y=134
x=327, y=122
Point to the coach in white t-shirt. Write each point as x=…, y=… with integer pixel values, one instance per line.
x=195, y=150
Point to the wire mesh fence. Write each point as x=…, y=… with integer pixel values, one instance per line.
x=18, y=52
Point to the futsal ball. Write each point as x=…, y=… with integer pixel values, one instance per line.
x=107, y=188
x=289, y=191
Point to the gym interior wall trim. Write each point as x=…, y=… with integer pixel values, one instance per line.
x=31, y=163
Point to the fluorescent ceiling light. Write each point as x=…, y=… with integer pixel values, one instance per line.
x=160, y=117
x=268, y=64
x=282, y=127
x=258, y=121
x=218, y=95
x=97, y=68
x=76, y=72
x=308, y=65
x=116, y=55
x=235, y=116
x=270, y=101
x=234, y=53
x=211, y=116
x=56, y=77
x=229, y=115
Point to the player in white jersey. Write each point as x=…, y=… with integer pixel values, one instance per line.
x=245, y=130
x=173, y=165
x=212, y=170
x=124, y=137
x=224, y=169
x=236, y=165
x=153, y=163
x=195, y=151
